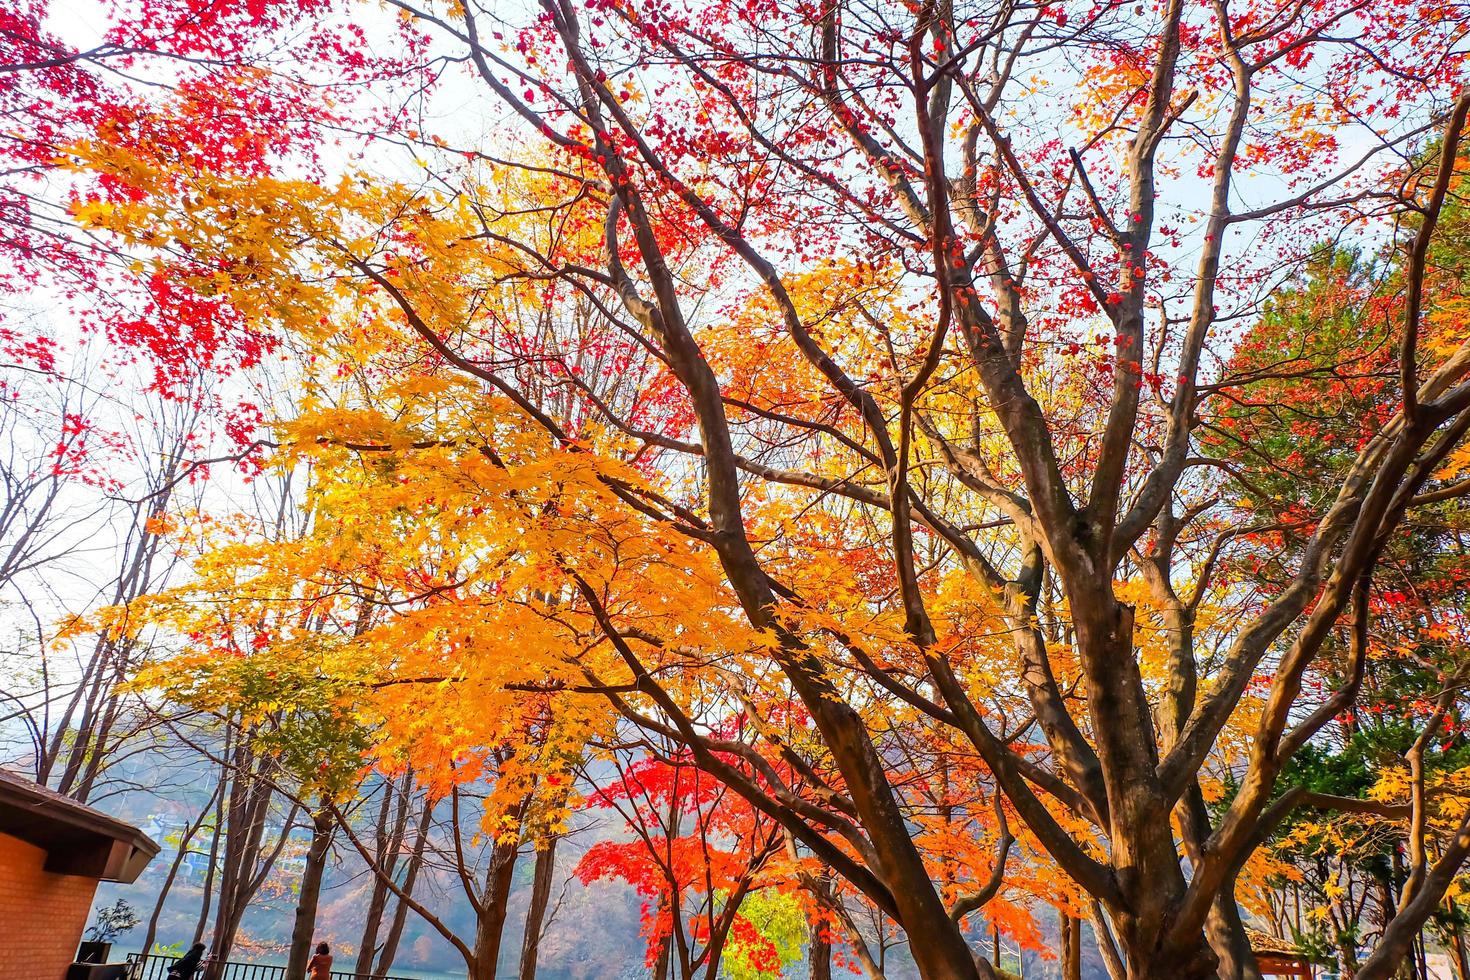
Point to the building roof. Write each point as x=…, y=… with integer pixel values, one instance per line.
x=77, y=839
x=1265, y=943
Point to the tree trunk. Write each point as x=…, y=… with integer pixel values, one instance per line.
x=1349, y=953
x=246, y=863
x=719, y=933
x=76, y=744
x=819, y=952
x=95, y=757
x=173, y=872
x=1399, y=934
x=1228, y=939
x=820, y=886
x=207, y=898
x=663, y=964
x=367, y=945
x=541, y=882
x=57, y=742
x=1106, y=945
x=388, y=839
x=168, y=883
x=410, y=878
x=665, y=958
x=111, y=660
x=1071, y=948
x=939, y=948
x=1196, y=961
x=322, y=828
x=490, y=927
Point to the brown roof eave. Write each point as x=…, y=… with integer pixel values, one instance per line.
x=78, y=839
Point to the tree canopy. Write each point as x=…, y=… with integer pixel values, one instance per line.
x=990, y=454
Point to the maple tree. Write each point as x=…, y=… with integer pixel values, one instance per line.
x=293, y=656
x=54, y=93
x=695, y=858
x=144, y=379
x=1394, y=748
x=880, y=362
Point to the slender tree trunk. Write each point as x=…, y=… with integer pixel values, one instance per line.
x=872, y=969
x=1405, y=924
x=207, y=899
x=304, y=927
x=246, y=863
x=664, y=961
x=388, y=838
x=939, y=949
x=1349, y=955
x=1107, y=946
x=663, y=965
x=819, y=952
x=820, y=925
x=490, y=921
x=1461, y=961
x=541, y=882
x=97, y=754
x=80, y=741
x=56, y=747
x=151, y=933
x=490, y=929
x=410, y=878
x=1228, y=939
x=838, y=919
x=1071, y=948
x=173, y=871
x=90, y=746
x=367, y=945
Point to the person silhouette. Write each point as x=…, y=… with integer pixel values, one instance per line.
x=320, y=967
x=187, y=965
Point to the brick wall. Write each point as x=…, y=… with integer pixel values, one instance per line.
x=42, y=915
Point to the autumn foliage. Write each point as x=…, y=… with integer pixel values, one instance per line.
x=961, y=460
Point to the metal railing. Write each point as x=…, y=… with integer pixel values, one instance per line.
x=142, y=967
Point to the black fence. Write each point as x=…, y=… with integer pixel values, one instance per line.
x=142, y=967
